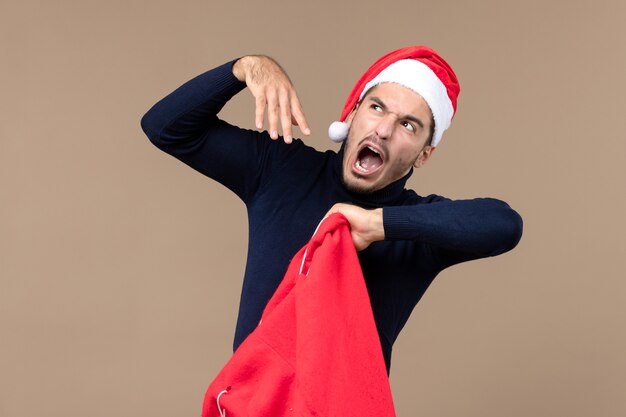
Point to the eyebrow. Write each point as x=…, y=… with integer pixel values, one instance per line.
x=405, y=117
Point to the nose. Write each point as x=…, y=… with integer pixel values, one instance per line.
x=385, y=126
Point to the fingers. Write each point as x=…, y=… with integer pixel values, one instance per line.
x=281, y=106
x=272, y=114
x=260, y=102
x=269, y=103
x=285, y=116
x=298, y=115
x=336, y=208
x=275, y=96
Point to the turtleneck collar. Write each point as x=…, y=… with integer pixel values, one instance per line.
x=386, y=195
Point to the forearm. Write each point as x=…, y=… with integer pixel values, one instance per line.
x=185, y=125
x=480, y=227
x=184, y=114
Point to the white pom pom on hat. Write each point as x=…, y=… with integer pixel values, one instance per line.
x=418, y=68
x=338, y=131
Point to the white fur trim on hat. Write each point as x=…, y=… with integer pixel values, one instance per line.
x=418, y=77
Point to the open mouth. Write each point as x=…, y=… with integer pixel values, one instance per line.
x=368, y=160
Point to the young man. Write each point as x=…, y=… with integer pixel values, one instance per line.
x=392, y=122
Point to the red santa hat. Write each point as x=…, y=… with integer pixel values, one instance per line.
x=418, y=68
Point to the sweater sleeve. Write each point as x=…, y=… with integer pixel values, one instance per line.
x=456, y=230
x=185, y=125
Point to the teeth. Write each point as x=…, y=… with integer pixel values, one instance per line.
x=373, y=150
x=359, y=167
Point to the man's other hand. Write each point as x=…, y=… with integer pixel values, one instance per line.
x=366, y=226
x=273, y=93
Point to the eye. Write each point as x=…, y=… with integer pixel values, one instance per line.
x=408, y=126
x=376, y=107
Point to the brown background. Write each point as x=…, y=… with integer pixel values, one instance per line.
x=121, y=267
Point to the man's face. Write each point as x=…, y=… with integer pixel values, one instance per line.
x=388, y=134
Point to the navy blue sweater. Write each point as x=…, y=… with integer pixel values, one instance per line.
x=287, y=189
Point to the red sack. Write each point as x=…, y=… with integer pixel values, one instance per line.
x=316, y=351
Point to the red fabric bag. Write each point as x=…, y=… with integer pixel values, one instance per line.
x=316, y=351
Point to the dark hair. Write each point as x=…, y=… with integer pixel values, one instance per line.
x=432, y=129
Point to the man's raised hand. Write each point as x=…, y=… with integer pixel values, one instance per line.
x=273, y=93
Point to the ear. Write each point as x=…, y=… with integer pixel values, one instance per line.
x=351, y=114
x=424, y=156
